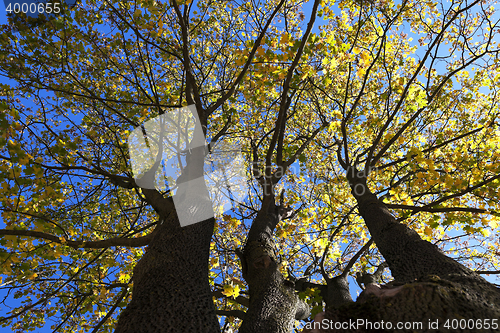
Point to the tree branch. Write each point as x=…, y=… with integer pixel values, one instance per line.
x=256, y=45
x=286, y=87
x=442, y=209
x=129, y=242
x=432, y=148
x=488, y=272
x=231, y=313
x=356, y=256
x=113, y=308
x=240, y=299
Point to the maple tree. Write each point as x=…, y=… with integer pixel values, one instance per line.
x=368, y=138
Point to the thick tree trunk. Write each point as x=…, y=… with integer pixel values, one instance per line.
x=274, y=305
x=430, y=290
x=171, y=289
x=409, y=257
x=338, y=292
x=457, y=304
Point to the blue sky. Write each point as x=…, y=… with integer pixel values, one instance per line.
x=14, y=302
x=319, y=21
x=3, y=16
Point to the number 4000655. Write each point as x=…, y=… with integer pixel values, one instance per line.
x=33, y=8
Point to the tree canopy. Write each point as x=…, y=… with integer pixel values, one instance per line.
x=403, y=92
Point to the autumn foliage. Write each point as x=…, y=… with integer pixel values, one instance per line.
x=408, y=91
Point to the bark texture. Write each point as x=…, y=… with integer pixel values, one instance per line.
x=171, y=289
x=338, y=292
x=430, y=302
x=429, y=288
x=409, y=257
x=274, y=304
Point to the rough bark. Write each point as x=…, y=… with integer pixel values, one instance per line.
x=335, y=293
x=429, y=288
x=171, y=289
x=274, y=305
x=409, y=257
x=431, y=302
x=338, y=292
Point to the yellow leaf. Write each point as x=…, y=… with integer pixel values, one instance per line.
x=71, y=231
x=235, y=222
x=124, y=277
x=231, y=291
x=361, y=72
x=214, y=261
x=484, y=232
x=39, y=226
x=428, y=231
x=285, y=39
x=240, y=61
x=281, y=233
x=364, y=58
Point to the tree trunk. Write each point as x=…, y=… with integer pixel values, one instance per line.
x=430, y=289
x=409, y=257
x=430, y=305
x=338, y=292
x=171, y=289
x=274, y=305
